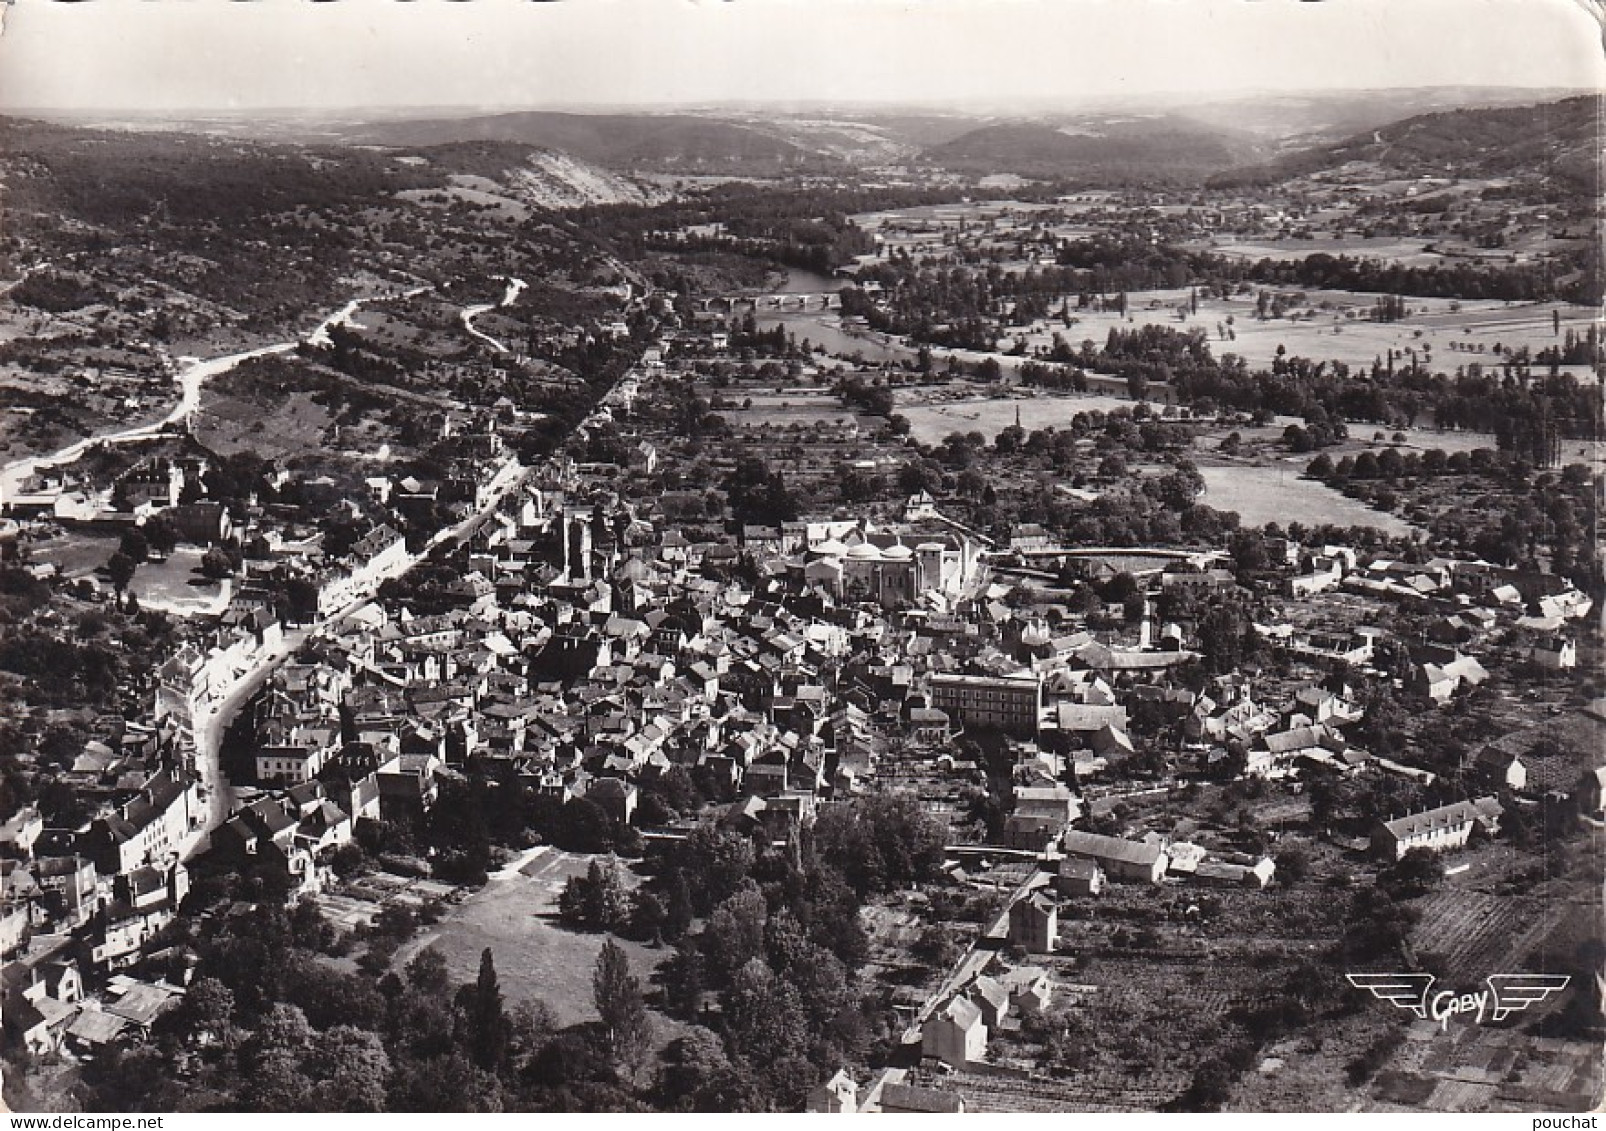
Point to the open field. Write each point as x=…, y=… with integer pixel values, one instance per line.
x=177, y=585
x=1391, y=248
x=75, y=553
x=515, y=915
x=1335, y=326
x=931, y=420
x=1278, y=493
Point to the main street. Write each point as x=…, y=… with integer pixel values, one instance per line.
x=219, y=714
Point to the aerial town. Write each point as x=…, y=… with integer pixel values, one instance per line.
x=932, y=632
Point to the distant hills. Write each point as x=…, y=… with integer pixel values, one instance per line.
x=1237, y=140
x=1165, y=148
x=680, y=143
x=1562, y=139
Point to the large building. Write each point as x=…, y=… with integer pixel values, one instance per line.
x=1437, y=830
x=1122, y=859
x=900, y=565
x=1012, y=703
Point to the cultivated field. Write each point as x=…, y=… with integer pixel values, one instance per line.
x=1391, y=248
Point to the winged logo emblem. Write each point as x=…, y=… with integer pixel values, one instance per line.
x=1516, y=992
x=1405, y=991
x=1507, y=994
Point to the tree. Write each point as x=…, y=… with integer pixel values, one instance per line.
x=617, y=994
x=351, y=1067
x=764, y=1016
x=216, y=563
x=427, y=971
x=206, y=1015
x=716, y=860
x=734, y=933
x=485, y=1019
x=161, y=535
x=1293, y=864
x=598, y=901
x=121, y=570
x=135, y=546
x=1416, y=873
x=678, y=909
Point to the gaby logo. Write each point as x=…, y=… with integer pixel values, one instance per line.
x=1507, y=994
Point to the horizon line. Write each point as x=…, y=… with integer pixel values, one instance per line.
x=960, y=106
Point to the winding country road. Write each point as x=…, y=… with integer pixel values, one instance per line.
x=514, y=288
x=191, y=378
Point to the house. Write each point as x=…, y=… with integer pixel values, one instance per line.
x=1555, y=653
x=909, y=1100
x=1034, y=923
x=1031, y=536
x=1504, y=766
x=20, y=832
x=1120, y=859
x=35, y=1026
x=929, y=726
x=1228, y=874
x=1274, y=755
x=1591, y=792
x=837, y=1096
x=1031, y=990
x=1040, y=811
x=203, y=523
x=991, y=997
x=1078, y=876
x=955, y=1034
x=1437, y=830
x=408, y=785
x=1441, y=672
x=148, y=827
x=69, y=888
x=617, y=797
x=1032, y=832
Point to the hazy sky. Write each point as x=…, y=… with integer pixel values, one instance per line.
x=207, y=54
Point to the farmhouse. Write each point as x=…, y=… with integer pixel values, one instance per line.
x=837, y=1096
x=1555, y=653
